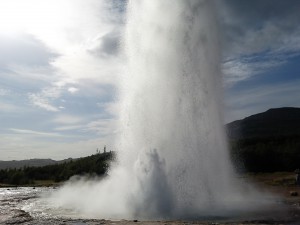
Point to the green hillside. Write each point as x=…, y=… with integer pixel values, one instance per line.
x=266, y=142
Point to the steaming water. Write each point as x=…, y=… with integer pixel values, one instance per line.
x=172, y=105
x=173, y=158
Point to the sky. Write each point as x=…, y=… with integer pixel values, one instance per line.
x=61, y=66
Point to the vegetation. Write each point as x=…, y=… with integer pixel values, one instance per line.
x=92, y=165
x=267, y=154
x=266, y=142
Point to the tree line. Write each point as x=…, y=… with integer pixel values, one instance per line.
x=264, y=154
x=92, y=165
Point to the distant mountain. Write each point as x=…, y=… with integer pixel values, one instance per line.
x=29, y=163
x=274, y=122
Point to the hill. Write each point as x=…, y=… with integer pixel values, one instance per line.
x=30, y=163
x=273, y=122
x=266, y=142
x=92, y=165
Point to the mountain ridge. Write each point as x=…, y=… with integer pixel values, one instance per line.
x=10, y=164
x=284, y=121
x=266, y=141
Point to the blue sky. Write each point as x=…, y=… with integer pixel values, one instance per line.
x=260, y=55
x=61, y=66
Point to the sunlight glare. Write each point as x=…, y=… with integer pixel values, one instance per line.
x=17, y=16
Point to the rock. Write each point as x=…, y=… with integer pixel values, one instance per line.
x=293, y=193
x=18, y=217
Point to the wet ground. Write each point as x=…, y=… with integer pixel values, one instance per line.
x=24, y=206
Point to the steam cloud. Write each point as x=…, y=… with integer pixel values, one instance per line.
x=173, y=158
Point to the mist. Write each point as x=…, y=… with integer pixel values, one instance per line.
x=173, y=160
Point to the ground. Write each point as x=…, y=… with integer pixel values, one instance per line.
x=280, y=183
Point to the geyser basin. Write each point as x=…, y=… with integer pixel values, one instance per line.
x=173, y=158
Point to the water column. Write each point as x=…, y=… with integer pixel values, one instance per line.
x=173, y=161
x=172, y=129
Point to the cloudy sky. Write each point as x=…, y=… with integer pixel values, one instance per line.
x=60, y=68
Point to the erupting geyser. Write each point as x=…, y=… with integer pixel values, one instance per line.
x=172, y=104
x=173, y=158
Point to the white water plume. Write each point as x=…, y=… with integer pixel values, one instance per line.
x=173, y=158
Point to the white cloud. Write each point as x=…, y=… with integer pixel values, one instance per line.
x=42, y=102
x=240, y=69
x=58, y=48
x=256, y=27
x=4, y=92
x=18, y=146
x=73, y=90
x=103, y=127
x=67, y=119
x=51, y=92
x=30, y=74
x=83, y=66
x=44, y=98
x=70, y=127
x=250, y=30
x=112, y=108
x=76, y=47
x=35, y=133
x=24, y=50
x=78, y=36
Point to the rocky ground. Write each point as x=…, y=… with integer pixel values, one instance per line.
x=25, y=219
x=11, y=212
